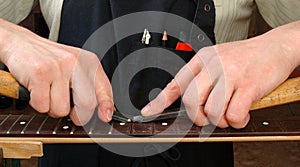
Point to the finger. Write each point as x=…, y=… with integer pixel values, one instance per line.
x=104, y=95
x=84, y=104
x=197, y=116
x=83, y=91
x=217, y=103
x=39, y=97
x=237, y=114
x=195, y=97
x=174, y=89
x=59, y=98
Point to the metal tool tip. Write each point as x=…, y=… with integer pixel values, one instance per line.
x=138, y=118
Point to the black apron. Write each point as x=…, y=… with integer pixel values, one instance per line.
x=79, y=20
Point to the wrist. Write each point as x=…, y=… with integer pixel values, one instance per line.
x=290, y=42
x=284, y=42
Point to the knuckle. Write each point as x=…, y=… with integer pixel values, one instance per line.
x=69, y=57
x=39, y=69
x=61, y=112
x=172, y=86
x=41, y=108
x=223, y=125
x=200, y=122
x=187, y=100
x=234, y=118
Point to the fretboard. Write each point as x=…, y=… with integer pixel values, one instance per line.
x=282, y=120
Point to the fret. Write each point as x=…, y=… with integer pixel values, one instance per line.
x=111, y=128
x=263, y=123
x=42, y=124
x=20, y=124
x=8, y=131
x=65, y=127
x=27, y=124
x=4, y=120
x=6, y=126
x=57, y=125
x=100, y=128
x=73, y=129
x=93, y=125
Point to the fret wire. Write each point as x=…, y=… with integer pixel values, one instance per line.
x=27, y=124
x=111, y=128
x=57, y=126
x=73, y=129
x=6, y=118
x=93, y=125
x=42, y=124
x=8, y=131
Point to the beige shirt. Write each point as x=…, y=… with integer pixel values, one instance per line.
x=232, y=16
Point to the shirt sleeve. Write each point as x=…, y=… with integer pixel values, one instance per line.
x=51, y=10
x=279, y=12
x=15, y=10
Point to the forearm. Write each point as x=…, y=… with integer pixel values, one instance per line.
x=286, y=39
x=7, y=40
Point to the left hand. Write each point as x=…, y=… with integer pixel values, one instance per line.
x=221, y=82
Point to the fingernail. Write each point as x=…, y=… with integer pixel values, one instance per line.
x=109, y=114
x=146, y=109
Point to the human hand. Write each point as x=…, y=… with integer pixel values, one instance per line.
x=221, y=82
x=48, y=70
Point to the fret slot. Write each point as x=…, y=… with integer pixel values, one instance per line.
x=65, y=127
x=4, y=118
x=57, y=126
x=12, y=126
x=8, y=123
x=27, y=124
x=20, y=124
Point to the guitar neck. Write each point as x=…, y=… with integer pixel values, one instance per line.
x=275, y=123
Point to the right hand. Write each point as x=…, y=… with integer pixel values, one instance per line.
x=48, y=70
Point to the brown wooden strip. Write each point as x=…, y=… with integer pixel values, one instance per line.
x=287, y=92
x=142, y=129
x=9, y=86
x=165, y=127
x=120, y=128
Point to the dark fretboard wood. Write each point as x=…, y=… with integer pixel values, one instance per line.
x=282, y=120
